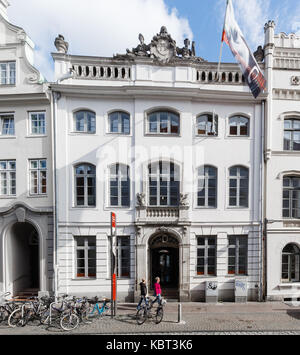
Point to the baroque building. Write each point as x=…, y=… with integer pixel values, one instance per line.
x=26, y=204
x=176, y=153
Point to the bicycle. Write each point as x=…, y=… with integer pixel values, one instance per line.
x=6, y=307
x=30, y=312
x=146, y=312
x=100, y=311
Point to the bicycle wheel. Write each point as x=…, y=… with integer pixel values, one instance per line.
x=159, y=315
x=45, y=317
x=141, y=316
x=4, y=314
x=69, y=321
x=16, y=319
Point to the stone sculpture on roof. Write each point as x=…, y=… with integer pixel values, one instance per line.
x=61, y=45
x=162, y=49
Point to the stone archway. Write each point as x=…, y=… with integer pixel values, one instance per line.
x=164, y=263
x=22, y=259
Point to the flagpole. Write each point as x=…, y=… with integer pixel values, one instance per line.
x=222, y=43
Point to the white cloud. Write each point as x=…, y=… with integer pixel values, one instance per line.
x=94, y=27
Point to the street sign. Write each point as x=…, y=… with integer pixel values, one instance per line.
x=113, y=224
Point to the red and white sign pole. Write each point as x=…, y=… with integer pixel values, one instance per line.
x=113, y=235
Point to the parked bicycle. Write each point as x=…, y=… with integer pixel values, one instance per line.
x=97, y=310
x=148, y=312
x=6, y=307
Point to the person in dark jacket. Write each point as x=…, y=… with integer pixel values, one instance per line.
x=143, y=288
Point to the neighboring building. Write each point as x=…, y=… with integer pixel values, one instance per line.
x=26, y=218
x=152, y=136
x=282, y=184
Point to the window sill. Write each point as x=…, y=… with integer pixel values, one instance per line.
x=83, y=134
x=84, y=279
x=162, y=135
x=13, y=197
x=7, y=137
x=8, y=85
x=37, y=196
x=118, y=134
x=84, y=208
x=36, y=136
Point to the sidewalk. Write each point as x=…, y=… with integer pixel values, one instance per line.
x=199, y=318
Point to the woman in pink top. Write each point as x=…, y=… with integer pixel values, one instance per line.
x=157, y=291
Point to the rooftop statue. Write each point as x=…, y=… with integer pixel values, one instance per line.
x=141, y=50
x=162, y=49
x=61, y=45
x=259, y=54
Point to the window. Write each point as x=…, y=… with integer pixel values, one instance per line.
x=123, y=257
x=8, y=73
x=239, y=126
x=164, y=184
x=7, y=125
x=85, y=257
x=163, y=123
x=37, y=123
x=85, y=122
x=290, y=263
x=206, y=256
x=38, y=177
x=119, y=122
x=7, y=178
x=291, y=197
x=85, y=185
x=119, y=185
x=237, y=255
x=292, y=134
x=207, y=187
x=207, y=125
x=238, y=187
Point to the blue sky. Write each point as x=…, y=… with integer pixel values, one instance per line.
x=107, y=27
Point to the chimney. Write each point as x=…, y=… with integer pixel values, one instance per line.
x=3, y=8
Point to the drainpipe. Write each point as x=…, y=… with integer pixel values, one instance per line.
x=261, y=217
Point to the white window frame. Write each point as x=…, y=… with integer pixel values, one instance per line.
x=158, y=132
x=156, y=176
x=10, y=116
x=7, y=176
x=7, y=71
x=38, y=170
x=120, y=123
x=38, y=113
x=86, y=247
x=238, y=135
x=238, y=178
x=120, y=177
x=121, y=248
x=85, y=176
x=206, y=247
x=215, y=123
x=85, y=131
x=206, y=178
x=237, y=247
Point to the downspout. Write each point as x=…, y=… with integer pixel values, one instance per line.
x=54, y=98
x=262, y=212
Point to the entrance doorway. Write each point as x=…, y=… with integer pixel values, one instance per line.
x=23, y=260
x=164, y=263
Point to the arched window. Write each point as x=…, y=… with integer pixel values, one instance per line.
x=291, y=197
x=85, y=185
x=119, y=185
x=207, y=186
x=207, y=125
x=119, y=122
x=85, y=121
x=239, y=126
x=239, y=187
x=290, y=263
x=292, y=134
x=164, y=184
x=163, y=122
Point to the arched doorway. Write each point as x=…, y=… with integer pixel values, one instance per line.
x=164, y=263
x=22, y=259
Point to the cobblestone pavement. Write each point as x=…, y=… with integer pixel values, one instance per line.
x=198, y=319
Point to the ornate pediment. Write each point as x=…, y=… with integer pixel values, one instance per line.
x=162, y=48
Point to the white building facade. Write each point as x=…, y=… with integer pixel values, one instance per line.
x=282, y=184
x=26, y=204
x=152, y=136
